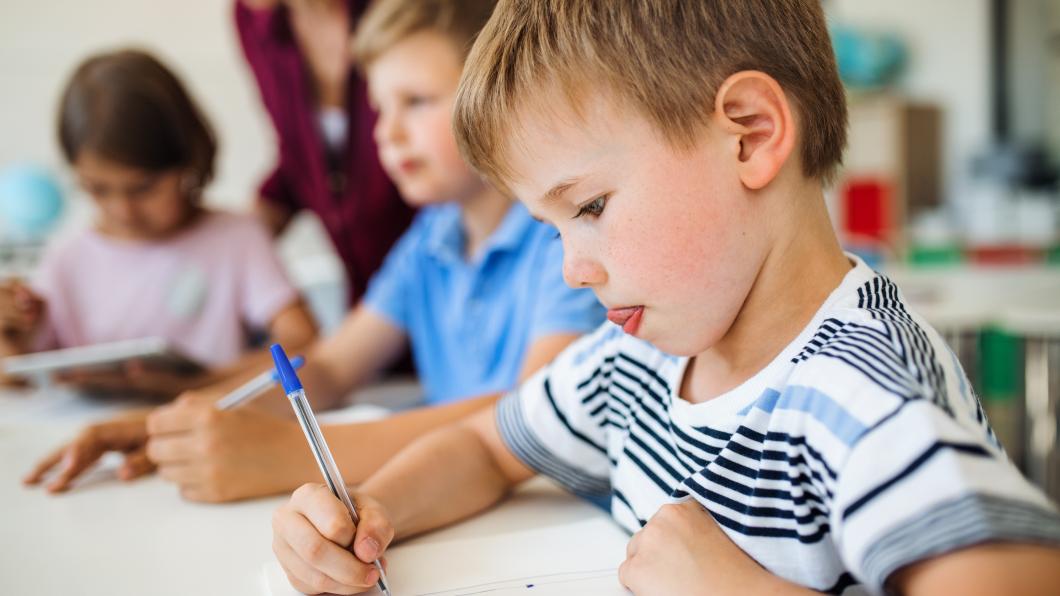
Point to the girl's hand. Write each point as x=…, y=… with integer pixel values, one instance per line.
x=21, y=314
x=217, y=456
x=312, y=538
x=127, y=434
x=134, y=377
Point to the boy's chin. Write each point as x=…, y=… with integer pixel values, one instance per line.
x=675, y=342
x=418, y=197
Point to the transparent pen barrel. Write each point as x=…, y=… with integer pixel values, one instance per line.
x=320, y=449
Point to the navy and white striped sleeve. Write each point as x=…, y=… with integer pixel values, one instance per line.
x=545, y=424
x=920, y=484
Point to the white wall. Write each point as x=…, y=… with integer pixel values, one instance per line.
x=41, y=41
x=949, y=45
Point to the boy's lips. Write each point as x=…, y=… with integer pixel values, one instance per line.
x=408, y=166
x=627, y=317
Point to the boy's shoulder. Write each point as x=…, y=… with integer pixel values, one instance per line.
x=870, y=354
x=433, y=225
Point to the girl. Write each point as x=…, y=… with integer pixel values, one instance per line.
x=156, y=262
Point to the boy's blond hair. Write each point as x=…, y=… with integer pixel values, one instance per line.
x=664, y=58
x=388, y=22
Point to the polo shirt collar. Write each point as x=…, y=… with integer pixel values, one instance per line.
x=446, y=241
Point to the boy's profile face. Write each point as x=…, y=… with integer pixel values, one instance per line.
x=412, y=85
x=665, y=237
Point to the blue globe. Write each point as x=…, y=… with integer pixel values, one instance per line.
x=30, y=201
x=868, y=59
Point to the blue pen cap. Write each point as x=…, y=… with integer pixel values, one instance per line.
x=288, y=379
x=296, y=363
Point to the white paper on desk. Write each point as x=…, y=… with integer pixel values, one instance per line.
x=578, y=558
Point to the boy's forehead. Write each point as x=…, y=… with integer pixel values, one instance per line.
x=423, y=55
x=558, y=143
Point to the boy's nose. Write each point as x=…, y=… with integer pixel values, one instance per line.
x=387, y=130
x=582, y=272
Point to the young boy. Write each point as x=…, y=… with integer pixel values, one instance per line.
x=475, y=286
x=811, y=432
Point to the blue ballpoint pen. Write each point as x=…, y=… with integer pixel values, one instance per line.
x=254, y=387
x=293, y=388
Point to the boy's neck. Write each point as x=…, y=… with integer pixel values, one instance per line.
x=801, y=269
x=481, y=213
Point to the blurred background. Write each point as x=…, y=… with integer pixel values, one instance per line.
x=950, y=184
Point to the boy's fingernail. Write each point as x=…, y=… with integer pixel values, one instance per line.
x=373, y=546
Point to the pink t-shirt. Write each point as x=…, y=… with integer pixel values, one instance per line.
x=202, y=290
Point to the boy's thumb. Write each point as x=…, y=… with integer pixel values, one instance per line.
x=373, y=535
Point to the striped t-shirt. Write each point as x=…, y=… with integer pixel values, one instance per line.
x=859, y=449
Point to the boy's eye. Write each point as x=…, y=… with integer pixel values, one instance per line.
x=593, y=208
x=417, y=100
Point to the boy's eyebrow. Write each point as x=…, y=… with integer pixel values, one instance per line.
x=561, y=187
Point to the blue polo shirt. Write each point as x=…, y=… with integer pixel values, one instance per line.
x=470, y=323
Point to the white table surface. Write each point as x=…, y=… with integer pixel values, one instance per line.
x=1027, y=298
x=112, y=538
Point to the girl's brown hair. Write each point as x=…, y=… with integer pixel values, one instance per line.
x=128, y=107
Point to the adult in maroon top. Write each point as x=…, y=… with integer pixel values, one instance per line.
x=298, y=52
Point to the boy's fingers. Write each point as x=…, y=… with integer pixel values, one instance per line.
x=327, y=514
x=75, y=461
x=136, y=464
x=170, y=449
x=179, y=418
x=374, y=533
x=303, y=576
x=634, y=544
x=42, y=467
x=181, y=474
x=324, y=555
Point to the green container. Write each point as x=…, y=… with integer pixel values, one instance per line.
x=1052, y=256
x=934, y=256
x=1000, y=386
x=1001, y=365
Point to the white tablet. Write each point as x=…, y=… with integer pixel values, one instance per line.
x=155, y=353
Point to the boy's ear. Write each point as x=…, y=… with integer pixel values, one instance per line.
x=754, y=112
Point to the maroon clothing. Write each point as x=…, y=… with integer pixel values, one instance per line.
x=350, y=192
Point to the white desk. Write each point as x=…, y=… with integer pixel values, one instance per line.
x=115, y=539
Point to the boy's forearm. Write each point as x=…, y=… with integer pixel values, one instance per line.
x=362, y=449
x=442, y=478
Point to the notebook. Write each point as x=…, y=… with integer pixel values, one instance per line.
x=574, y=558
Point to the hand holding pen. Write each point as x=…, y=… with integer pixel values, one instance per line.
x=366, y=547
x=219, y=450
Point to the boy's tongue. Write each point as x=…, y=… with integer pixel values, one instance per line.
x=628, y=318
